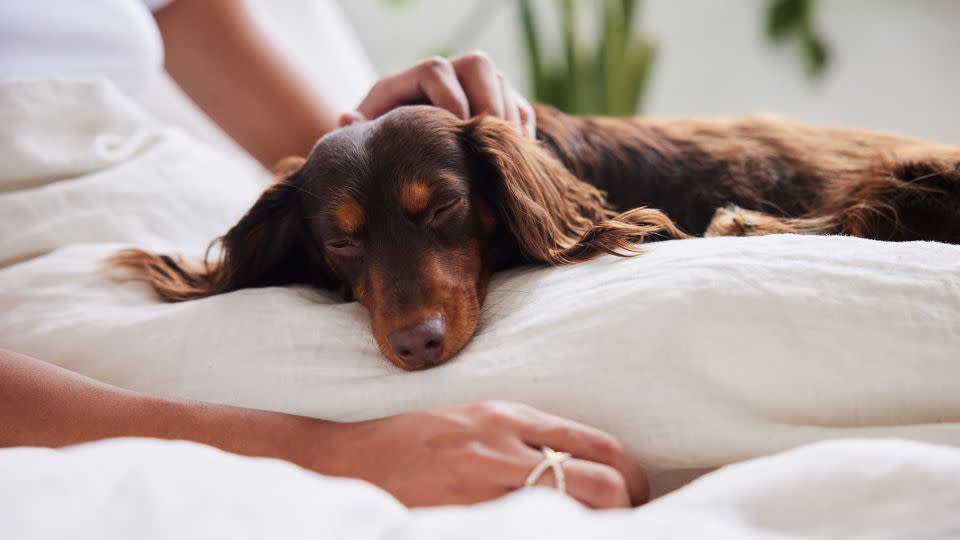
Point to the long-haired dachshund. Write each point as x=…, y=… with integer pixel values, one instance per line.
x=412, y=213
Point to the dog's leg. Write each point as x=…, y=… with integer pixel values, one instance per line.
x=908, y=201
x=735, y=221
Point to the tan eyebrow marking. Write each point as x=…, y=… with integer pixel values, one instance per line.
x=348, y=215
x=415, y=195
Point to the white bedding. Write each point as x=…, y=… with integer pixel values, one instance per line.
x=699, y=354
x=130, y=488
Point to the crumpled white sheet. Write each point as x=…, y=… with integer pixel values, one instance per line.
x=699, y=354
x=139, y=488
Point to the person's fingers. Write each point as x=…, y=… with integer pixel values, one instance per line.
x=528, y=117
x=594, y=484
x=597, y=446
x=469, y=85
x=638, y=484
x=349, y=118
x=540, y=429
x=511, y=110
x=478, y=77
x=432, y=80
x=439, y=83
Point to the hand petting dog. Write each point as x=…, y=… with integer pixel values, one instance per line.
x=465, y=86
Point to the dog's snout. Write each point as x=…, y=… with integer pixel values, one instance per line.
x=419, y=345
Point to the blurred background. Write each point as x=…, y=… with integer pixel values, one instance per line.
x=879, y=64
x=883, y=64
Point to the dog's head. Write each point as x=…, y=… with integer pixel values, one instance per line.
x=410, y=215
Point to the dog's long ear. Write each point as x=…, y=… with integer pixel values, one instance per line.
x=268, y=246
x=554, y=217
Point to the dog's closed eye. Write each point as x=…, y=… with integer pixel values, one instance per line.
x=445, y=210
x=344, y=247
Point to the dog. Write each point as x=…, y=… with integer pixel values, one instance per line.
x=412, y=213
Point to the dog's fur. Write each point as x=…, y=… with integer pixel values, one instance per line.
x=411, y=214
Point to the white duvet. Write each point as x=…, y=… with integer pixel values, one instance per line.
x=699, y=354
x=139, y=489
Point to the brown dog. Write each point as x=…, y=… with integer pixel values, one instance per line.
x=412, y=213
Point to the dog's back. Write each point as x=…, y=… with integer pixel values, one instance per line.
x=786, y=176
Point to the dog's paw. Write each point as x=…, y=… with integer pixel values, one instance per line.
x=735, y=221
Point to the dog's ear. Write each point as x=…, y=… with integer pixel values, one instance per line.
x=553, y=216
x=270, y=243
x=268, y=246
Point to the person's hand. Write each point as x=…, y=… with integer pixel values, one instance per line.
x=466, y=86
x=473, y=453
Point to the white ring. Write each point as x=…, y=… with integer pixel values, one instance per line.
x=552, y=460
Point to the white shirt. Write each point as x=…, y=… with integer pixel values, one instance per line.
x=116, y=39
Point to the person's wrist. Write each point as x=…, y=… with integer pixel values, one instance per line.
x=237, y=430
x=334, y=448
x=307, y=442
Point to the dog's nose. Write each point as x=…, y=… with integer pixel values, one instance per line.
x=419, y=345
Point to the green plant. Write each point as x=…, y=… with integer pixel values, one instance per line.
x=794, y=18
x=608, y=73
x=605, y=75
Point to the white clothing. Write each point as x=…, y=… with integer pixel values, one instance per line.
x=115, y=39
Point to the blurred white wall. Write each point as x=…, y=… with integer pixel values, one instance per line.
x=894, y=67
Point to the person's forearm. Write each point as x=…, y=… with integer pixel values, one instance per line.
x=45, y=405
x=454, y=455
x=221, y=60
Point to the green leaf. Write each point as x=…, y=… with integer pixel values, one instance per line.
x=629, y=9
x=795, y=18
x=571, y=53
x=639, y=66
x=611, y=54
x=531, y=38
x=815, y=54
x=784, y=17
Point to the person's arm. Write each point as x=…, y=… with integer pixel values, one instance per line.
x=45, y=405
x=460, y=454
x=220, y=58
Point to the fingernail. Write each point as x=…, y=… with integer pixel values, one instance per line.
x=349, y=118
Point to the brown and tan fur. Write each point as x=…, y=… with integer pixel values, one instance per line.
x=412, y=213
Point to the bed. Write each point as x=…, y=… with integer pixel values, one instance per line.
x=807, y=386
